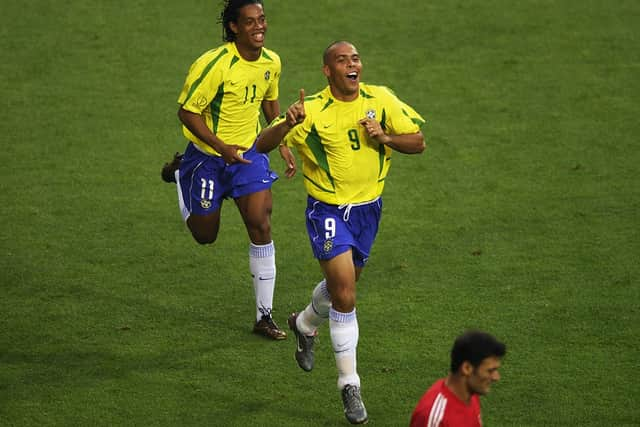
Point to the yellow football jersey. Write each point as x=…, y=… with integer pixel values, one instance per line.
x=228, y=91
x=340, y=163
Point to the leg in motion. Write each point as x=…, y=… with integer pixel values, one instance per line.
x=305, y=324
x=168, y=172
x=255, y=209
x=341, y=275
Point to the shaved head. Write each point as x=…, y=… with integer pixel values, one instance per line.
x=329, y=49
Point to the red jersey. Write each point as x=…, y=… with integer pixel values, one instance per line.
x=439, y=407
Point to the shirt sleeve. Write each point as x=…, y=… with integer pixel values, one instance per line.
x=272, y=92
x=418, y=419
x=201, y=85
x=400, y=118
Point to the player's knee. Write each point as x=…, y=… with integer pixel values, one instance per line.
x=343, y=301
x=203, y=230
x=259, y=232
x=321, y=300
x=204, y=238
x=264, y=228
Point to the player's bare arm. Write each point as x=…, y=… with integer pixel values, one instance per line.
x=411, y=143
x=271, y=137
x=271, y=110
x=196, y=124
x=289, y=160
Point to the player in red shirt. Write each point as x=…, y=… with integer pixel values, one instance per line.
x=454, y=401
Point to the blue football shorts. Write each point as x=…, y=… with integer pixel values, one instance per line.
x=336, y=229
x=204, y=181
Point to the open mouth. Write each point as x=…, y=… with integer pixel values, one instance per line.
x=259, y=37
x=353, y=76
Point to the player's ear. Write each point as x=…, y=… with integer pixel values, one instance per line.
x=326, y=70
x=466, y=368
x=234, y=27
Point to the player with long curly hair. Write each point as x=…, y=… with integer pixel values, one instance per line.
x=220, y=103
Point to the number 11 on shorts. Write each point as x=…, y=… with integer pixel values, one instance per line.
x=203, y=192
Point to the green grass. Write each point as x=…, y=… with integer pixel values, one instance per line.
x=520, y=218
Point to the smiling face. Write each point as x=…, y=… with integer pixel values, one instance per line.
x=342, y=67
x=481, y=378
x=250, y=30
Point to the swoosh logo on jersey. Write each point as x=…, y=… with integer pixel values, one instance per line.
x=265, y=181
x=326, y=126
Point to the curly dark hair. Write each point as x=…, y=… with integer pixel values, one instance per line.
x=230, y=14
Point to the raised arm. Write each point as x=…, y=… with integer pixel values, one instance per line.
x=271, y=110
x=271, y=137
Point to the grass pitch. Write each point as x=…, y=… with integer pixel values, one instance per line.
x=520, y=218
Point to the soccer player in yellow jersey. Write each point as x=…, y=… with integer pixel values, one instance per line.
x=345, y=135
x=220, y=105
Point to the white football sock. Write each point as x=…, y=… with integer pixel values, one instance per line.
x=344, y=338
x=317, y=312
x=262, y=264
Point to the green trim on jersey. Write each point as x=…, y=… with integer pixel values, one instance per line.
x=381, y=149
x=314, y=143
x=329, y=102
x=265, y=55
x=415, y=120
x=216, y=104
x=382, y=153
x=227, y=92
x=366, y=95
x=312, y=97
x=206, y=70
x=318, y=186
x=341, y=163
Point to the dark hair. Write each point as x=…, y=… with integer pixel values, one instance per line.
x=230, y=14
x=474, y=347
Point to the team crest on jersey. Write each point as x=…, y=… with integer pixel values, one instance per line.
x=267, y=74
x=371, y=114
x=328, y=245
x=201, y=101
x=205, y=204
